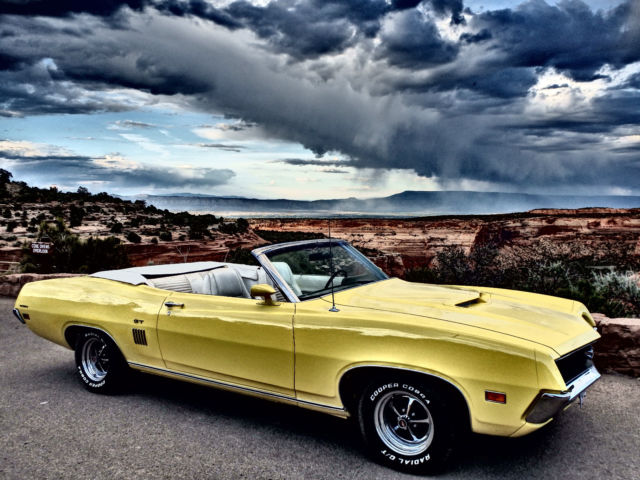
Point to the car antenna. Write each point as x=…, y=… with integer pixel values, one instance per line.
x=333, y=299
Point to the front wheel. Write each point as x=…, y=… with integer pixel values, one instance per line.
x=407, y=425
x=100, y=365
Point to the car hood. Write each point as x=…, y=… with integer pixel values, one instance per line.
x=560, y=324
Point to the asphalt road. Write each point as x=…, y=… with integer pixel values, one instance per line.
x=50, y=427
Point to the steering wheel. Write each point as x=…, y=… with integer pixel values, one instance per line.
x=335, y=274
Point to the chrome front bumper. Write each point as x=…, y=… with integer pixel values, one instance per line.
x=547, y=405
x=18, y=315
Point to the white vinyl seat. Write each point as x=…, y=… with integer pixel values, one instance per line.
x=175, y=283
x=285, y=272
x=228, y=283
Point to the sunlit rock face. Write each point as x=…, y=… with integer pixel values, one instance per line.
x=619, y=348
x=397, y=245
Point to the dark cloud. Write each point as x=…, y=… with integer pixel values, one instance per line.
x=40, y=88
x=456, y=106
x=568, y=36
x=311, y=28
x=223, y=146
x=133, y=124
x=109, y=171
x=61, y=8
x=413, y=41
x=301, y=162
x=482, y=36
x=450, y=7
x=198, y=8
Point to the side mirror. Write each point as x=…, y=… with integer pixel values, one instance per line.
x=264, y=291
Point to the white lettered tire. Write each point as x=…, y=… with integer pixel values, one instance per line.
x=406, y=425
x=100, y=365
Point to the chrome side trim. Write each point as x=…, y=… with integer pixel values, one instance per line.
x=18, y=315
x=547, y=405
x=238, y=387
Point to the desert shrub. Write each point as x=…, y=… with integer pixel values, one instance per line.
x=198, y=226
x=228, y=228
x=242, y=256
x=619, y=292
x=537, y=270
x=11, y=225
x=69, y=254
x=242, y=224
x=165, y=236
x=133, y=237
x=115, y=227
x=11, y=238
x=76, y=214
x=154, y=240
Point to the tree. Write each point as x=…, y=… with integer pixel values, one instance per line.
x=5, y=176
x=83, y=192
x=76, y=214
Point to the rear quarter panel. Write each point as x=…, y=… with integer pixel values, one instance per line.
x=54, y=305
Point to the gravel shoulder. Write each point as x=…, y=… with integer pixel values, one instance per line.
x=163, y=429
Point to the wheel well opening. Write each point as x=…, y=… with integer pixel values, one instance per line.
x=354, y=382
x=71, y=335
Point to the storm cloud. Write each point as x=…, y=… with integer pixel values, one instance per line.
x=100, y=173
x=537, y=95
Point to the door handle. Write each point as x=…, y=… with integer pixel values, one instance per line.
x=173, y=304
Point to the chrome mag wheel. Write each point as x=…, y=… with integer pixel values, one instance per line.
x=95, y=360
x=403, y=422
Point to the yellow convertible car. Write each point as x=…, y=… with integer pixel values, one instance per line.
x=318, y=325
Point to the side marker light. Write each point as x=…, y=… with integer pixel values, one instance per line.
x=495, y=397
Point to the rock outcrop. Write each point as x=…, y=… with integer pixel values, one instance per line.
x=415, y=242
x=619, y=348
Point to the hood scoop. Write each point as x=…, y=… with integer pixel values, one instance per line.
x=480, y=299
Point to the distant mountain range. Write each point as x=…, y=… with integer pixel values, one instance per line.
x=408, y=203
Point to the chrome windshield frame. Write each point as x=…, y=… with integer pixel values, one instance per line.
x=261, y=253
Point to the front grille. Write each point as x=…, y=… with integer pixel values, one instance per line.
x=574, y=364
x=139, y=336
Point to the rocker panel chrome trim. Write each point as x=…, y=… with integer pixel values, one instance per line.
x=238, y=387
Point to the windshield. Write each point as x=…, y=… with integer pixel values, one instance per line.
x=308, y=271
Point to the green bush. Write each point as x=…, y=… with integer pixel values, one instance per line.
x=133, y=237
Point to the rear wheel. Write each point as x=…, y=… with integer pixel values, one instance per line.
x=100, y=365
x=407, y=425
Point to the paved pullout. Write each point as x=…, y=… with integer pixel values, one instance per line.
x=51, y=428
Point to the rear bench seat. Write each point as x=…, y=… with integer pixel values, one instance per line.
x=225, y=281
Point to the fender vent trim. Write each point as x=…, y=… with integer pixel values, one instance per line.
x=139, y=336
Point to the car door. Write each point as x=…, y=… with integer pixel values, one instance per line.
x=238, y=341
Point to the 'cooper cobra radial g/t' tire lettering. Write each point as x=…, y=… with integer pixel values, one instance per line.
x=407, y=425
x=100, y=365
